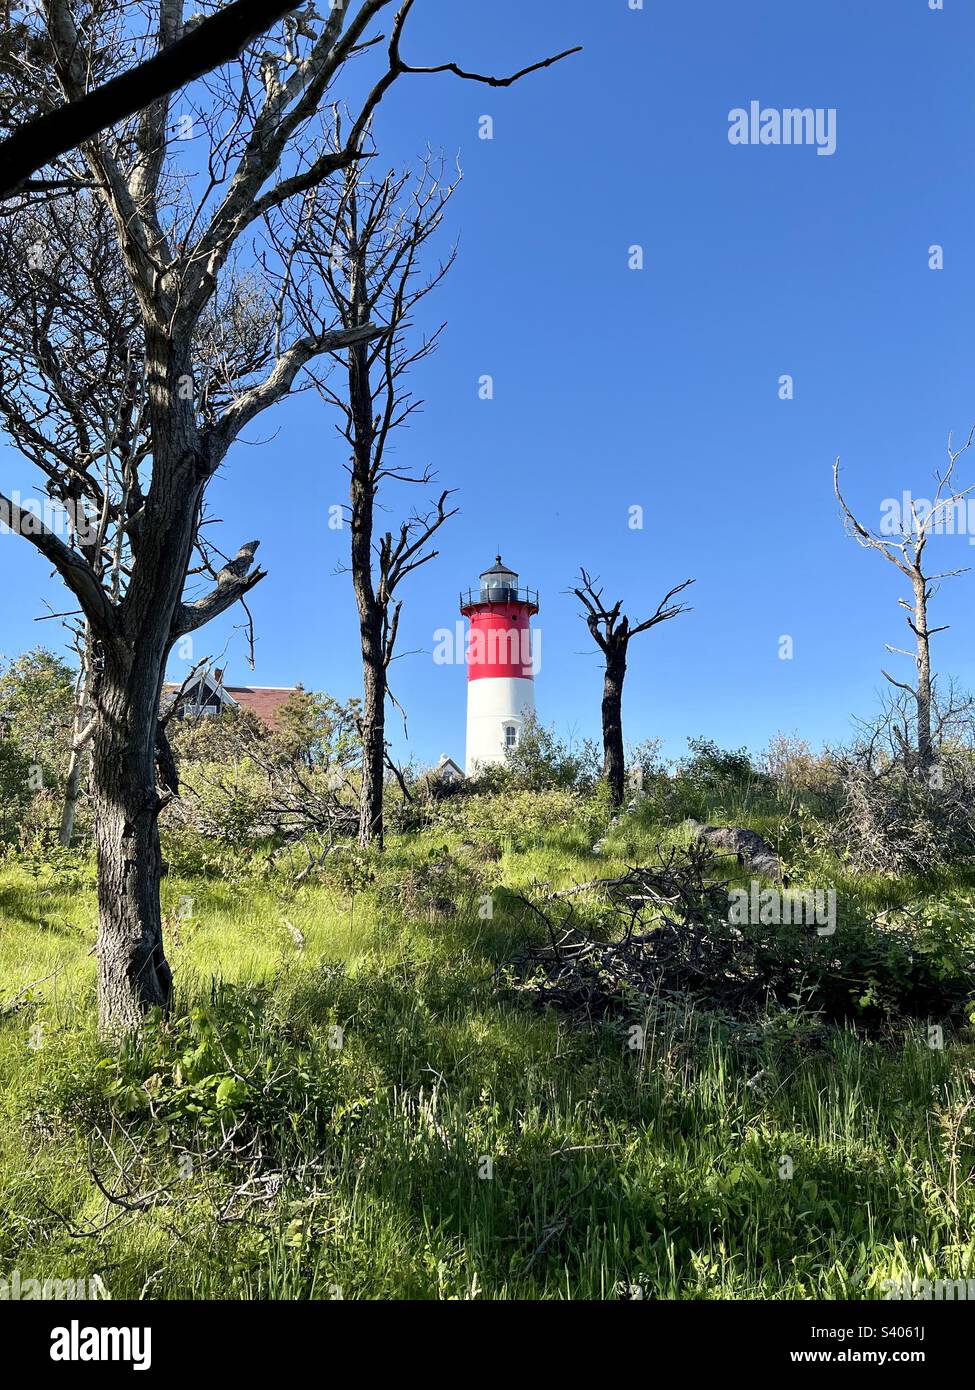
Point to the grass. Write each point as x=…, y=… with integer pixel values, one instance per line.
x=455, y=1145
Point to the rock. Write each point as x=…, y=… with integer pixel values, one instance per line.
x=748, y=847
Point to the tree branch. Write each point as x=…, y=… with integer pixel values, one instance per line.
x=233, y=582
x=279, y=383
x=215, y=41
x=73, y=569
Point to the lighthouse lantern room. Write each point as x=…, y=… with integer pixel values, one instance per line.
x=500, y=669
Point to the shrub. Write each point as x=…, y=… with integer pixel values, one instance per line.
x=711, y=768
x=14, y=787
x=229, y=1062
x=225, y=801
x=221, y=738
x=543, y=762
x=891, y=821
x=520, y=817
x=711, y=783
x=436, y=885
x=790, y=761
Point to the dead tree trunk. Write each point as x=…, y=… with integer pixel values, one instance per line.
x=925, y=743
x=373, y=749
x=76, y=757
x=905, y=549
x=82, y=729
x=370, y=634
x=72, y=793
x=379, y=246
x=133, y=974
x=614, y=758
x=611, y=631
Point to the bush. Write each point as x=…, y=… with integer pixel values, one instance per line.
x=790, y=761
x=521, y=817
x=435, y=885
x=711, y=769
x=14, y=787
x=543, y=762
x=228, y=1062
x=712, y=783
x=891, y=821
x=225, y=801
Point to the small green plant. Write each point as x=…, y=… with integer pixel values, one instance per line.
x=228, y=1063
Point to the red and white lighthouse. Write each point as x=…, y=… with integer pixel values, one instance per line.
x=500, y=665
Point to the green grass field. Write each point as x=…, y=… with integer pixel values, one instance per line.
x=448, y=1142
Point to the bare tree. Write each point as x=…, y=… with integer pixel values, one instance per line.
x=56, y=131
x=373, y=277
x=611, y=631
x=216, y=349
x=905, y=549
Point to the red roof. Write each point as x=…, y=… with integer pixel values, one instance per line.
x=265, y=701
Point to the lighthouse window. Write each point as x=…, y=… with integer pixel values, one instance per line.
x=511, y=736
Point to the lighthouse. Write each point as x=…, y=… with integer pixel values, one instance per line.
x=500, y=672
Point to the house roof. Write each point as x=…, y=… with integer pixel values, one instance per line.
x=263, y=700
x=445, y=770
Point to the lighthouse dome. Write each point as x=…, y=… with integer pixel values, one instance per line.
x=499, y=584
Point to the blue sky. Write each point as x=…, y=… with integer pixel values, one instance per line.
x=656, y=388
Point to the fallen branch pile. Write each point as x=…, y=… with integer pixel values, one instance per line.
x=676, y=938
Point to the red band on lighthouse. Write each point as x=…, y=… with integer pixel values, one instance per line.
x=499, y=642
x=500, y=668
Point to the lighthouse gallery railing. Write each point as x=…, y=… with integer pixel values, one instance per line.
x=498, y=595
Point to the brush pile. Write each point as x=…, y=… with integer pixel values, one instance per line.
x=670, y=934
x=662, y=933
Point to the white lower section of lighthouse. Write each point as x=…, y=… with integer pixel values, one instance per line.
x=497, y=707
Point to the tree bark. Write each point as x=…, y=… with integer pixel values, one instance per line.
x=362, y=498
x=133, y=974
x=925, y=741
x=373, y=750
x=614, y=762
